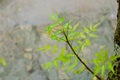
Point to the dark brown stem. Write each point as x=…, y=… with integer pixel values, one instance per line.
x=67, y=41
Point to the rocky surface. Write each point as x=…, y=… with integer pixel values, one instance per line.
x=19, y=48
x=22, y=25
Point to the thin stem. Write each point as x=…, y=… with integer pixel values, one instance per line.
x=67, y=41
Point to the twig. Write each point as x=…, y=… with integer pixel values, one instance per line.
x=67, y=41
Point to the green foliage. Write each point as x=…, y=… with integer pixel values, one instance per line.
x=79, y=39
x=79, y=70
x=2, y=61
x=45, y=48
x=102, y=62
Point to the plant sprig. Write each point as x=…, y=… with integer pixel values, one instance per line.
x=71, y=35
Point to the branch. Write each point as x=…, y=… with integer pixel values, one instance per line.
x=67, y=41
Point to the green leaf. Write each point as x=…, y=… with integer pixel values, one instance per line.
x=94, y=78
x=82, y=47
x=113, y=58
x=80, y=70
x=106, y=55
x=79, y=42
x=103, y=70
x=72, y=35
x=86, y=30
x=55, y=62
x=76, y=48
x=54, y=49
x=47, y=47
x=68, y=25
x=44, y=48
x=63, y=51
x=62, y=55
x=2, y=61
x=47, y=65
x=75, y=26
x=66, y=63
x=53, y=17
x=97, y=70
x=88, y=42
x=48, y=29
x=82, y=35
x=92, y=35
x=73, y=65
x=69, y=55
x=58, y=32
x=61, y=20
x=54, y=37
x=110, y=66
x=62, y=38
x=51, y=26
x=94, y=27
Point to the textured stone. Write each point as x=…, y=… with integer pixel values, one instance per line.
x=28, y=50
x=19, y=38
x=28, y=67
x=28, y=55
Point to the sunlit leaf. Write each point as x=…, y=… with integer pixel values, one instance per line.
x=110, y=66
x=76, y=48
x=82, y=47
x=72, y=35
x=66, y=25
x=113, y=58
x=88, y=42
x=54, y=37
x=80, y=70
x=103, y=70
x=55, y=62
x=58, y=32
x=75, y=26
x=2, y=61
x=61, y=20
x=82, y=35
x=44, y=48
x=47, y=65
x=53, y=17
x=95, y=26
x=97, y=70
x=79, y=41
x=51, y=26
x=94, y=78
x=54, y=49
x=86, y=29
x=92, y=35
x=73, y=65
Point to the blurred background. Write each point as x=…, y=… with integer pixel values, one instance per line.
x=22, y=24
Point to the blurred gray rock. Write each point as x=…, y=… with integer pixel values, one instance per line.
x=19, y=38
x=18, y=46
